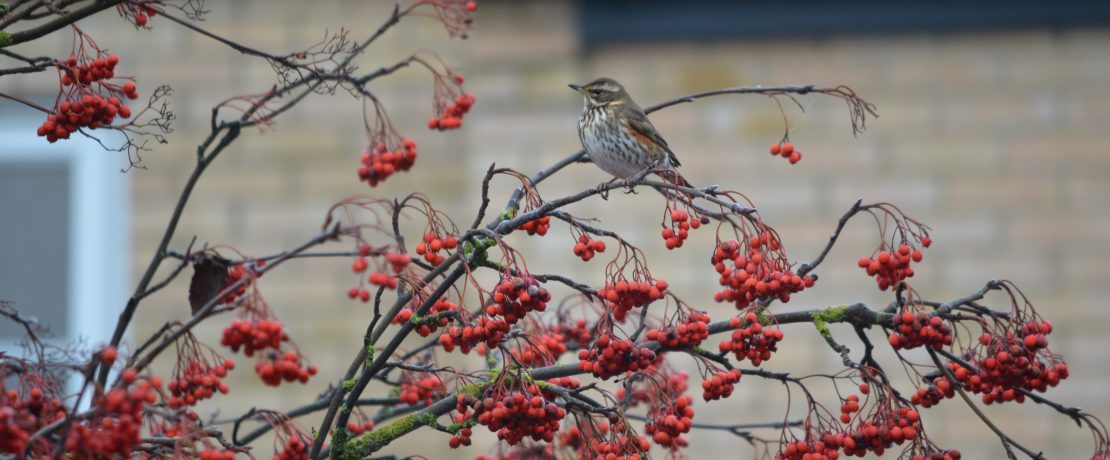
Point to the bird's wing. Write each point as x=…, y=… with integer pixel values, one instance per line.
x=639, y=123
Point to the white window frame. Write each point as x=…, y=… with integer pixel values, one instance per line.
x=99, y=231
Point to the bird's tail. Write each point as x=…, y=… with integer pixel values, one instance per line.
x=672, y=176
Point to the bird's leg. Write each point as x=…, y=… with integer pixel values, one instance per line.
x=604, y=192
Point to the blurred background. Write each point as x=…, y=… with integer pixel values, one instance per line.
x=992, y=130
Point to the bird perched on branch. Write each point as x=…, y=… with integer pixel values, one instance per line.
x=619, y=138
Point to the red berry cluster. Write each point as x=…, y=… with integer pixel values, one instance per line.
x=515, y=296
x=487, y=331
x=569, y=383
x=433, y=244
x=253, y=335
x=537, y=226
x=81, y=106
x=383, y=279
x=720, y=385
x=645, y=392
x=688, y=333
x=580, y=334
x=912, y=330
x=117, y=429
x=891, y=267
x=610, y=356
x=932, y=394
x=882, y=431
x=21, y=415
x=89, y=71
x=679, y=229
x=1008, y=364
x=762, y=273
x=787, y=151
x=451, y=115
x=358, y=428
x=196, y=381
x=430, y=323
x=624, y=295
x=295, y=448
x=550, y=346
x=139, y=13
x=825, y=448
x=217, y=454
x=622, y=446
x=515, y=414
x=849, y=406
x=88, y=110
x=670, y=422
x=585, y=248
x=378, y=163
x=753, y=341
x=461, y=437
x=426, y=390
x=289, y=367
x=234, y=274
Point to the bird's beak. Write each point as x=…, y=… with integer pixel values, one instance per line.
x=575, y=87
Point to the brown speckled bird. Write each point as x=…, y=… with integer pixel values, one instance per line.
x=617, y=135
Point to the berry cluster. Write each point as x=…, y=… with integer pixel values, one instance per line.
x=891, y=267
x=610, y=356
x=515, y=414
x=288, y=367
x=688, y=333
x=720, y=385
x=89, y=110
x=1009, y=363
x=515, y=296
x=585, y=248
x=595, y=440
x=487, y=331
x=537, y=226
x=253, y=336
x=234, y=274
x=116, y=430
x=462, y=437
x=433, y=244
x=912, y=330
x=883, y=430
x=679, y=229
x=139, y=13
x=580, y=334
x=825, y=448
x=217, y=454
x=82, y=106
x=623, y=295
x=670, y=422
x=197, y=380
x=358, y=428
x=21, y=415
x=430, y=323
x=450, y=117
x=932, y=394
x=425, y=389
x=762, y=273
x=849, y=406
x=378, y=163
x=787, y=151
x=550, y=346
x=294, y=448
x=753, y=341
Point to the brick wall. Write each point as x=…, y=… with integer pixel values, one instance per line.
x=997, y=141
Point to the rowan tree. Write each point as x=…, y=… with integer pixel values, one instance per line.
x=572, y=367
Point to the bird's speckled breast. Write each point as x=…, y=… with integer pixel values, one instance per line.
x=613, y=150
